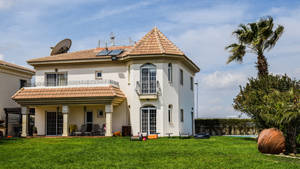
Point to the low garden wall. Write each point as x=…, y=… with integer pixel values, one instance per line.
x=225, y=127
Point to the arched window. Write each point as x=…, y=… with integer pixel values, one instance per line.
x=148, y=78
x=148, y=119
x=170, y=110
x=170, y=72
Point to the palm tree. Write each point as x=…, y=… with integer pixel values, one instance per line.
x=257, y=37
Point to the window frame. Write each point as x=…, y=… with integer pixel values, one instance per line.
x=170, y=72
x=181, y=76
x=98, y=113
x=23, y=83
x=181, y=115
x=56, y=78
x=96, y=75
x=170, y=113
x=192, y=83
x=149, y=83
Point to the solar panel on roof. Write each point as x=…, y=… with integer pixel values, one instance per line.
x=116, y=52
x=104, y=52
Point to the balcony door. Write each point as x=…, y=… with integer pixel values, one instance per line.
x=54, y=123
x=148, y=120
x=148, y=79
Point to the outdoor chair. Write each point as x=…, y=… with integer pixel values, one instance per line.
x=84, y=130
x=97, y=130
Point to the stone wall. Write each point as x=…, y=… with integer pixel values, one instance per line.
x=225, y=127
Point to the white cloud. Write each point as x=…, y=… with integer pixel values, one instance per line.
x=222, y=80
x=1, y=56
x=115, y=11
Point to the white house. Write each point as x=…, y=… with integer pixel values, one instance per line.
x=148, y=86
x=12, y=78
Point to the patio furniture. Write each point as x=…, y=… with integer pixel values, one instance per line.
x=84, y=130
x=97, y=130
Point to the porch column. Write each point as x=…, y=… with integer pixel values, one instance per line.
x=65, y=111
x=108, y=110
x=24, y=112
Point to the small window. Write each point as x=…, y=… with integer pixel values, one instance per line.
x=100, y=114
x=23, y=83
x=192, y=83
x=98, y=75
x=181, y=115
x=170, y=72
x=181, y=76
x=170, y=113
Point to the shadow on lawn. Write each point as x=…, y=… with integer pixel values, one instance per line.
x=249, y=139
x=10, y=140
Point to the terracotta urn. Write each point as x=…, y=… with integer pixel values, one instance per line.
x=271, y=141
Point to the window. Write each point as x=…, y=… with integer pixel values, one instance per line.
x=148, y=119
x=170, y=113
x=98, y=75
x=148, y=79
x=100, y=114
x=56, y=79
x=23, y=83
x=181, y=76
x=170, y=72
x=192, y=83
x=181, y=115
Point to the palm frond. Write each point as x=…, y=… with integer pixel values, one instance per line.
x=237, y=52
x=270, y=43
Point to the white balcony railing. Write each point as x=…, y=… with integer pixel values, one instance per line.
x=148, y=89
x=78, y=83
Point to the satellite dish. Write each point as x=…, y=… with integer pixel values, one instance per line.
x=61, y=47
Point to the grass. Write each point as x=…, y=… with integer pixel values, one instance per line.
x=216, y=152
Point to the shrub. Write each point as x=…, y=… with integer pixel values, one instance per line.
x=272, y=101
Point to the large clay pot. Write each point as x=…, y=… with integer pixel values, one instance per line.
x=271, y=141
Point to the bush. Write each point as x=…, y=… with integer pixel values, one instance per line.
x=272, y=101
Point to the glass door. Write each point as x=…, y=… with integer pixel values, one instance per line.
x=54, y=123
x=148, y=120
x=89, y=121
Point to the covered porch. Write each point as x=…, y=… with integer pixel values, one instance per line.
x=66, y=111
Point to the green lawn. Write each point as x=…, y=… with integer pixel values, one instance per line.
x=216, y=152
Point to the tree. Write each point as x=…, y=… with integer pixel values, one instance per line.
x=272, y=101
x=257, y=37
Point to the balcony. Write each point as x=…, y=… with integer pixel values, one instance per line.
x=77, y=83
x=148, y=91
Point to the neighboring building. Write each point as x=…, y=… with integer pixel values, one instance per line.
x=12, y=78
x=148, y=86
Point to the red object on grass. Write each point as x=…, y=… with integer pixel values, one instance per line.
x=9, y=136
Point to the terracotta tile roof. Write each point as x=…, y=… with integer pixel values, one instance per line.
x=14, y=66
x=68, y=92
x=78, y=55
x=155, y=42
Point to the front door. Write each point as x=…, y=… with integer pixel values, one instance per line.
x=89, y=121
x=148, y=120
x=54, y=123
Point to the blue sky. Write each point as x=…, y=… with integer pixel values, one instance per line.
x=201, y=29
